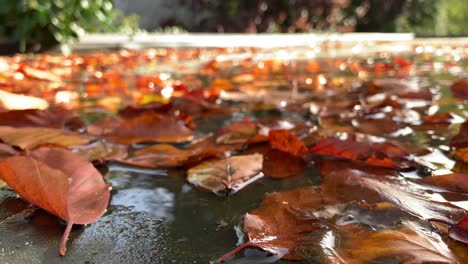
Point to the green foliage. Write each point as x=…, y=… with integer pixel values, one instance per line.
x=39, y=24
x=435, y=18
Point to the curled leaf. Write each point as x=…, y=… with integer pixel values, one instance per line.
x=59, y=182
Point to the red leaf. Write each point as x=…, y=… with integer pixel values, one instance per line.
x=461, y=139
x=60, y=182
x=381, y=154
x=460, y=89
x=286, y=141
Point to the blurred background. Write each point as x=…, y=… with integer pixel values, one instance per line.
x=33, y=25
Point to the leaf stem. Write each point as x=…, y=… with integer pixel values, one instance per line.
x=63, y=241
x=234, y=251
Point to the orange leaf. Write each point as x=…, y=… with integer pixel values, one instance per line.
x=32, y=137
x=286, y=141
x=60, y=182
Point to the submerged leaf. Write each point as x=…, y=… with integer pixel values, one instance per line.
x=32, y=137
x=101, y=151
x=60, y=182
x=230, y=174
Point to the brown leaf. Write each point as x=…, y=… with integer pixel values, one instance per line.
x=459, y=231
x=460, y=89
x=239, y=132
x=408, y=245
x=101, y=151
x=286, y=141
x=7, y=151
x=60, y=182
x=230, y=174
x=57, y=118
x=32, y=137
x=147, y=127
x=461, y=139
x=455, y=182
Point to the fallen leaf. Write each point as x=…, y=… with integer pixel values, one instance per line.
x=455, y=182
x=460, y=89
x=230, y=174
x=32, y=137
x=406, y=245
x=381, y=154
x=461, y=139
x=60, y=182
x=286, y=141
x=459, y=231
x=147, y=127
x=101, y=151
x=56, y=118
x=326, y=221
x=278, y=164
x=237, y=133
x=7, y=151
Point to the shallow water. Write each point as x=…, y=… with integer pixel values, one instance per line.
x=156, y=216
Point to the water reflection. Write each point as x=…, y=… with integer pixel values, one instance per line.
x=158, y=202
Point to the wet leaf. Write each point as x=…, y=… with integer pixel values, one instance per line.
x=147, y=127
x=237, y=133
x=455, y=182
x=101, y=151
x=286, y=141
x=459, y=231
x=165, y=155
x=278, y=164
x=460, y=89
x=60, y=182
x=381, y=154
x=56, y=118
x=406, y=245
x=32, y=137
x=7, y=151
x=230, y=174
